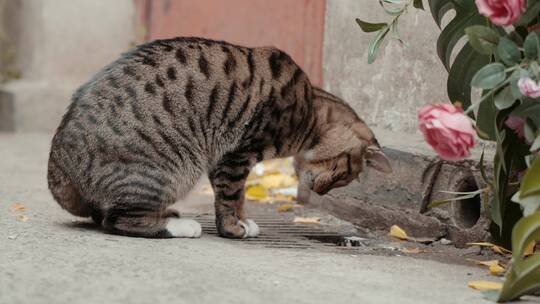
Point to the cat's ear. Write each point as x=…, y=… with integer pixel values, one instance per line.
x=376, y=159
x=334, y=142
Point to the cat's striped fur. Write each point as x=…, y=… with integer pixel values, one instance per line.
x=139, y=134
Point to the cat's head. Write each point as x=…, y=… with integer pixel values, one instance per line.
x=338, y=158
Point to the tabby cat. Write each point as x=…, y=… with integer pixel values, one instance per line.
x=141, y=132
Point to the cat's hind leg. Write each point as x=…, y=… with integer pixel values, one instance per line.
x=228, y=180
x=138, y=205
x=150, y=223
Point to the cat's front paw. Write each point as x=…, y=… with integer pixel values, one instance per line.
x=184, y=228
x=251, y=229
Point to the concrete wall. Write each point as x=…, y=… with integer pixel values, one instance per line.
x=387, y=93
x=59, y=45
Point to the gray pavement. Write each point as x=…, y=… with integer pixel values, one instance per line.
x=55, y=258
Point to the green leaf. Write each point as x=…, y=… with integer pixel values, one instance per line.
x=482, y=38
x=531, y=45
x=504, y=99
x=514, y=78
x=466, y=15
x=375, y=44
x=532, y=12
x=418, y=4
x=391, y=11
x=530, y=204
x=489, y=76
x=483, y=170
x=439, y=8
x=466, y=64
x=370, y=27
x=536, y=144
x=531, y=182
x=528, y=110
x=487, y=117
x=508, y=51
x=524, y=275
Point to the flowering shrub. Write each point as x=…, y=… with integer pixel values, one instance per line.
x=500, y=60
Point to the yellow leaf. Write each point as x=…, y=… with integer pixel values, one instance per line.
x=494, y=247
x=399, y=233
x=287, y=207
x=485, y=285
x=277, y=181
x=284, y=198
x=530, y=249
x=307, y=220
x=17, y=207
x=488, y=263
x=257, y=193
x=496, y=270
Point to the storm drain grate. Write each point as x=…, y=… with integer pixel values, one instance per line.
x=278, y=232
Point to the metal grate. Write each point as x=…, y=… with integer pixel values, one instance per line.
x=279, y=232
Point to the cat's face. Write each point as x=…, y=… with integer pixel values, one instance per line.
x=325, y=174
x=337, y=161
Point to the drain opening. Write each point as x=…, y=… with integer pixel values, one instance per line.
x=467, y=211
x=338, y=240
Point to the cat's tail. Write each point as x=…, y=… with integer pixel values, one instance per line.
x=64, y=190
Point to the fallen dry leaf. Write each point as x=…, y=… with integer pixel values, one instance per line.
x=487, y=263
x=283, y=198
x=496, y=270
x=22, y=218
x=399, y=233
x=485, y=285
x=277, y=180
x=494, y=247
x=285, y=208
x=530, y=249
x=17, y=207
x=307, y=220
x=257, y=193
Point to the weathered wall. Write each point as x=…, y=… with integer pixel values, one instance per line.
x=59, y=45
x=294, y=26
x=387, y=93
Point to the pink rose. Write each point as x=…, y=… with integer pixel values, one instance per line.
x=517, y=124
x=529, y=87
x=447, y=130
x=501, y=12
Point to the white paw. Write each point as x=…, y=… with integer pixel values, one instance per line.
x=251, y=229
x=184, y=228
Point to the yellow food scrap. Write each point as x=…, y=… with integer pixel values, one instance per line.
x=485, y=285
x=399, y=233
x=307, y=220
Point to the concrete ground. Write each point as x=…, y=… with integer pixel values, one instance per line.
x=52, y=258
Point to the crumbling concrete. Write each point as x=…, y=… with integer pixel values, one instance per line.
x=379, y=201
